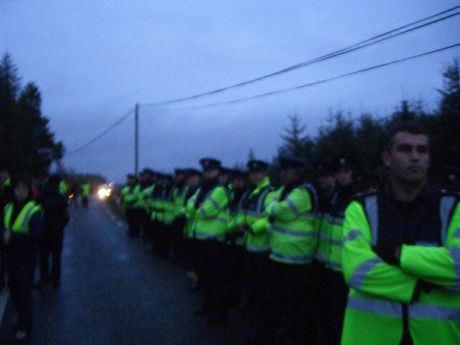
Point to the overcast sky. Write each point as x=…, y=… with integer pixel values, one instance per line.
x=93, y=60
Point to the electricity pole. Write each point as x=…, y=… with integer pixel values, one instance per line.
x=136, y=139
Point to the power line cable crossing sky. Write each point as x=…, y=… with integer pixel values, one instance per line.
x=93, y=60
x=407, y=28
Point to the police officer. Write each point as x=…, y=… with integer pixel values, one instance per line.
x=85, y=193
x=20, y=230
x=235, y=238
x=55, y=219
x=192, y=181
x=209, y=208
x=401, y=254
x=332, y=286
x=129, y=196
x=292, y=216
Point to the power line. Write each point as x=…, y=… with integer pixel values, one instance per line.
x=360, y=45
x=125, y=116
x=341, y=76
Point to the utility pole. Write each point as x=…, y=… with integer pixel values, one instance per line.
x=136, y=139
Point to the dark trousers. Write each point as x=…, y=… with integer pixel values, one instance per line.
x=144, y=224
x=212, y=274
x=256, y=270
x=20, y=272
x=2, y=268
x=235, y=262
x=51, y=248
x=334, y=294
x=290, y=315
x=133, y=217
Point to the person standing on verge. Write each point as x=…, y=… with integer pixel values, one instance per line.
x=401, y=253
x=56, y=218
x=20, y=230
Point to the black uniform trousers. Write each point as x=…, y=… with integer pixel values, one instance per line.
x=256, y=269
x=334, y=295
x=133, y=216
x=291, y=314
x=212, y=274
x=51, y=246
x=20, y=272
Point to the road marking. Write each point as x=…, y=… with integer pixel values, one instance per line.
x=3, y=301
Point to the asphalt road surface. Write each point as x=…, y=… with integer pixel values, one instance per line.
x=114, y=292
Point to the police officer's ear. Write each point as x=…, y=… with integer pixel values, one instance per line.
x=386, y=158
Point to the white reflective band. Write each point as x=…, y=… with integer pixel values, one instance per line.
x=336, y=220
x=353, y=234
x=457, y=233
x=292, y=206
x=434, y=312
x=26, y=219
x=298, y=259
x=214, y=203
x=372, y=212
x=335, y=266
x=358, y=276
x=205, y=236
x=426, y=244
x=455, y=253
x=293, y=233
x=261, y=199
x=257, y=247
x=320, y=256
x=375, y=306
x=446, y=206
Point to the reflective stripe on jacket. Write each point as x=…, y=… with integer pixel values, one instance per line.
x=21, y=223
x=293, y=226
x=380, y=306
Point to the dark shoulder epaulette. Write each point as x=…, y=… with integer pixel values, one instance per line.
x=361, y=197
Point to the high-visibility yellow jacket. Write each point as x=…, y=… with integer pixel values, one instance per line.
x=209, y=216
x=22, y=221
x=293, y=225
x=420, y=298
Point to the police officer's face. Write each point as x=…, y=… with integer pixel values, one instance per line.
x=21, y=191
x=288, y=175
x=256, y=177
x=344, y=177
x=409, y=157
x=210, y=173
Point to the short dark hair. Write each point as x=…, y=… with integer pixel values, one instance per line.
x=412, y=127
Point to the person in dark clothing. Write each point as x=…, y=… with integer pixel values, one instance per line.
x=6, y=196
x=20, y=230
x=56, y=218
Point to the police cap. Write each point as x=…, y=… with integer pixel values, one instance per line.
x=343, y=163
x=192, y=172
x=209, y=163
x=287, y=162
x=225, y=171
x=255, y=165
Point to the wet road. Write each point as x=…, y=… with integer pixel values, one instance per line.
x=114, y=292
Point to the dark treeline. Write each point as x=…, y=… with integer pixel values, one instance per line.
x=361, y=140
x=27, y=146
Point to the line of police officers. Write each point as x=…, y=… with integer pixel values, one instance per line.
x=380, y=267
x=31, y=231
